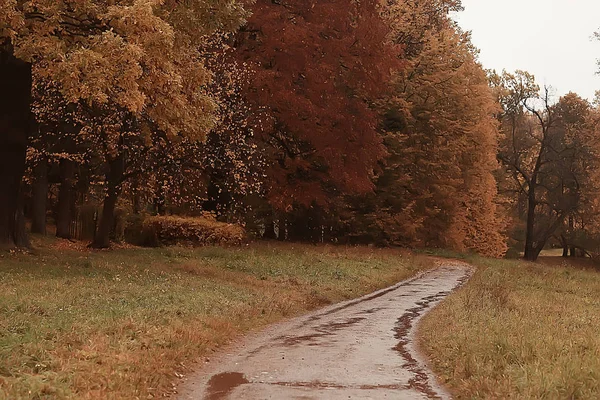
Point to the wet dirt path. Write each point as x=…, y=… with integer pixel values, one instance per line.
x=360, y=349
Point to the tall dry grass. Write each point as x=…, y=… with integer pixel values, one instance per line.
x=519, y=330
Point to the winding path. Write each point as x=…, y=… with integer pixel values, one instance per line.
x=360, y=349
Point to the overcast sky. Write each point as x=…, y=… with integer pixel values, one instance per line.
x=549, y=38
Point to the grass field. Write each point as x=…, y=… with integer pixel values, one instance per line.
x=519, y=330
x=125, y=324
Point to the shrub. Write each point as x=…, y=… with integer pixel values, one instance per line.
x=198, y=231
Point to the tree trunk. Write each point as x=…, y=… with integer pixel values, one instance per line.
x=15, y=118
x=102, y=238
x=116, y=169
x=565, y=246
x=136, y=200
x=159, y=201
x=40, y=197
x=136, y=203
x=270, y=230
x=21, y=237
x=64, y=216
x=530, y=245
x=572, y=250
x=11, y=174
x=283, y=228
x=270, y=226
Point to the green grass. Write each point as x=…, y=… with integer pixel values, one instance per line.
x=126, y=323
x=519, y=330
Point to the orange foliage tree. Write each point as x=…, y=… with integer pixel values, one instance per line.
x=437, y=186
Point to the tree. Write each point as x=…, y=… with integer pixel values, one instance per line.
x=56, y=140
x=318, y=65
x=40, y=186
x=132, y=61
x=189, y=176
x=437, y=186
x=577, y=125
x=545, y=151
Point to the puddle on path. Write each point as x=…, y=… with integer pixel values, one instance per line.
x=219, y=386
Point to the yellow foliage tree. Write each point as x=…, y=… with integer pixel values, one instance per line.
x=133, y=67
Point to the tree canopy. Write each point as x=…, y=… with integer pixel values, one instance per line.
x=337, y=120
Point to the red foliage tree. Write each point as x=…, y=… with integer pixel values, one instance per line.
x=318, y=65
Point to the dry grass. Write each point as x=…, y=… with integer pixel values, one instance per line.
x=519, y=330
x=126, y=323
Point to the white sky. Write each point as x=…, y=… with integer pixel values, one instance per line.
x=549, y=38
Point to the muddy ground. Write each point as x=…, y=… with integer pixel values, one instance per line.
x=360, y=349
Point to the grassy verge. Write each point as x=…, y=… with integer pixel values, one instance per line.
x=519, y=330
x=127, y=323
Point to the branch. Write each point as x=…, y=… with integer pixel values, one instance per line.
x=514, y=165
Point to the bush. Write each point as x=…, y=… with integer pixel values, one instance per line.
x=197, y=231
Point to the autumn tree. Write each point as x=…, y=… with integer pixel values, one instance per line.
x=547, y=150
x=232, y=162
x=436, y=187
x=577, y=127
x=55, y=142
x=133, y=65
x=217, y=175
x=317, y=68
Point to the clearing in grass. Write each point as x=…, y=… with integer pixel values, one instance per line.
x=126, y=323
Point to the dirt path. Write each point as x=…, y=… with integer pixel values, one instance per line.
x=360, y=349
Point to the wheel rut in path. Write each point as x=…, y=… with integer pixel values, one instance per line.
x=359, y=349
